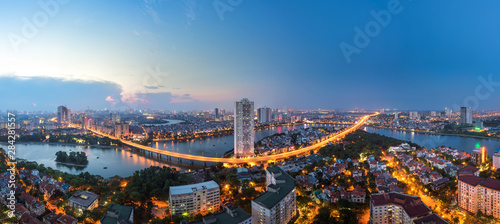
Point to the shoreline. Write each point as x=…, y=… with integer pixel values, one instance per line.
x=68, y=144
x=71, y=164
x=436, y=133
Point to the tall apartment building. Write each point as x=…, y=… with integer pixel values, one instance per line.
x=278, y=204
x=479, y=194
x=496, y=159
x=414, y=115
x=216, y=113
x=244, y=133
x=121, y=130
x=264, y=115
x=194, y=198
x=466, y=115
x=115, y=118
x=399, y=208
x=63, y=115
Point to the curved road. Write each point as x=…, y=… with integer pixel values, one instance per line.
x=249, y=159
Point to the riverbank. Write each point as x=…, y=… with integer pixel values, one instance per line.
x=71, y=164
x=436, y=133
x=67, y=144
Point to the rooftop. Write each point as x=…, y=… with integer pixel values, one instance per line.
x=225, y=218
x=469, y=169
x=286, y=184
x=412, y=205
x=492, y=184
x=430, y=219
x=83, y=198
x=117, y=214
x=187, y=189
x=471, y=180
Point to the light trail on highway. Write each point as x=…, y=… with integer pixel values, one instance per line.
x=257, y=159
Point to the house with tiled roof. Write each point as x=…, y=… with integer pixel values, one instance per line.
x=29, y=218
x=358, y=195
x=396, y=207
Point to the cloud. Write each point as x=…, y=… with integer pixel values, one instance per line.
x=189, y=10
x=110, y=99
x=148, y=7
x=186, y=98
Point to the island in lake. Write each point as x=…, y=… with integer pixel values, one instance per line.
x=74, y=158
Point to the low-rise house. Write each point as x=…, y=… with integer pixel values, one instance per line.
x=438, y=184
x=53, y=218
x=32, y=203
x=118, y=214
x=84, y=200
x=29, y=218
x=358, y=195
x=47, y=189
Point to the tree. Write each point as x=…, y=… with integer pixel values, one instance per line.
x=323, y=216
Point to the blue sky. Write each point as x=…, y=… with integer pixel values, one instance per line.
x=180, y=55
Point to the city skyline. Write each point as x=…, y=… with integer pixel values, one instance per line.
x=191, y=55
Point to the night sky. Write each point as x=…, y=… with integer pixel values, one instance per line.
x=183, y=55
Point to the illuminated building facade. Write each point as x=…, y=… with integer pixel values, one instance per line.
x=479, y=194
x=496, y=159
x=63, y=115
x=278, y=204
x=400, y=208
x=194, y=198
x=244, y=134
x=480, y=155
x=121, y=130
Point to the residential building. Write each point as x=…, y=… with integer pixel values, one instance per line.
x=53, y=218
x=244, y=133
x=264, y=115
x=216, y=113
x=278, y=204
x=115, y=118
x=479, y=194
x=466, y=115
x=84, y=200
x=468, y=171
x=430, y=219
x=397, y=208
x=121, y=130
x=194, y=198
x=231, y=215
x=480, y=155
x=414, y=115
x=496, y=159
x=63, y=115
x=118, y=214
